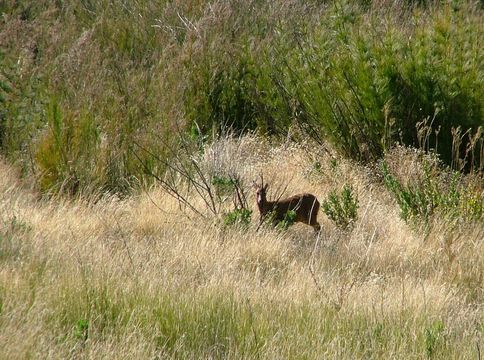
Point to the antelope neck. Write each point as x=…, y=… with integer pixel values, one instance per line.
x=264, y=205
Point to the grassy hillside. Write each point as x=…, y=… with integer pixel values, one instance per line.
x=131, y=133
x=145, y=277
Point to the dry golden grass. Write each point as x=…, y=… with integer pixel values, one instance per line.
x=138, y=278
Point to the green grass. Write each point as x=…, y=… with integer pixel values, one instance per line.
x=209, y=323
x=185, y=324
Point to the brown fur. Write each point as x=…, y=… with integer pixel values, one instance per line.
x=306, y=207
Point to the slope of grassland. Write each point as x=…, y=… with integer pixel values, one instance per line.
x=144, y=278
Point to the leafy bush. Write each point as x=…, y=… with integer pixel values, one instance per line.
x=66, y=153
x=223, y=185
x=341, y=208
x=363, y=83
x=238, y=216
x=234, y=92
x=438, y=191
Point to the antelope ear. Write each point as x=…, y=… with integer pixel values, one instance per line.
x=265, y=187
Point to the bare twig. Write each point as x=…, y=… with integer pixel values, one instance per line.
x=170, y=188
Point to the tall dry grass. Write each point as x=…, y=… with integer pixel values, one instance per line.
x=141, y=278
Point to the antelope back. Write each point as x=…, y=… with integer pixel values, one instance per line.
x=306, y=206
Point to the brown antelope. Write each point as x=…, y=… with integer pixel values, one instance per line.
x=306, y=206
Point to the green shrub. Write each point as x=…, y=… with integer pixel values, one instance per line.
x=364, y=84
x=437, y=79
x=21, y=111
x=238, y=216
x=439, y=190
x=223, y=185
x=233, y=92
x=81, y=331
x=66, y=155
x=341, y=208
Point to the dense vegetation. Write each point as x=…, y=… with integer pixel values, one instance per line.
x=131, y=133
x=83, y=82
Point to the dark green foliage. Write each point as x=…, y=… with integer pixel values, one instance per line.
x=66, y=154
x=5, y=85
x=229, y=100
x=363, y=85
x=437, y=82
x=341, y=208
x=234, y=93
x=21, y=111
x=223, y=185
